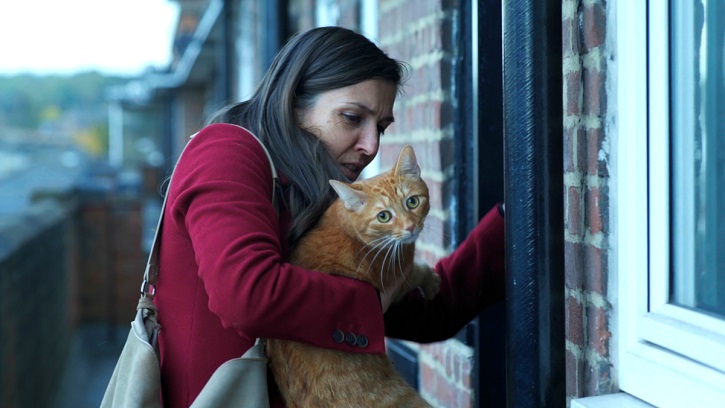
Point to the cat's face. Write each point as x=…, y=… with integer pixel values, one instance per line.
x=391, y=207
x=396, y=209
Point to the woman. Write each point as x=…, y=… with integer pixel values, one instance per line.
x=320, y=110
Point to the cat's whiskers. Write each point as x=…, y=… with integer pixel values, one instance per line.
x=388, y=248
x=399, y=250
x=397, y=258
x=382, y=265
x=392, y=261
x=374, y=245
x=392, y=250
x=377, y=245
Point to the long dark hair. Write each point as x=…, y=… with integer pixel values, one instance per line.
x=311, y=63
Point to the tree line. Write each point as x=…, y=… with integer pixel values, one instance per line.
x=27, y=101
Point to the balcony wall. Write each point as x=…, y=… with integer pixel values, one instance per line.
x=69, y=259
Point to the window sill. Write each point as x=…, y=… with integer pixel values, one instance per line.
x=619, y=400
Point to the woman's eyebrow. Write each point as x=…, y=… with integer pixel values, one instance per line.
x=371, y=112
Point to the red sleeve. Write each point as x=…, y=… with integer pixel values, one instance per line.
x=472, y=277
x=223, y=198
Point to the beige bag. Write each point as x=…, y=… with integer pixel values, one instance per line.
x=136, y=380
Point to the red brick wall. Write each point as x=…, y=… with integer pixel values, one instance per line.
x=586, y=179
x=419, y=32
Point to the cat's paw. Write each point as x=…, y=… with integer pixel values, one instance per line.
x=431, y=285
x=430, y=282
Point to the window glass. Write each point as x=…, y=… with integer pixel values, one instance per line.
x=698, y=154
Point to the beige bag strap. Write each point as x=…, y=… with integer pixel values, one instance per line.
x=151, y=274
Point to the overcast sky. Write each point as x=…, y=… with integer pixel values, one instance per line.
x=68, y=36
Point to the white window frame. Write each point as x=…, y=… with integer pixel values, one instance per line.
x=668, y=356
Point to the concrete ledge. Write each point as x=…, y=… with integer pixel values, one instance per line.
x=618, y=400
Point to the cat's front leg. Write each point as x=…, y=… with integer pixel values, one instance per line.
x=430, y=282
x=424, y=278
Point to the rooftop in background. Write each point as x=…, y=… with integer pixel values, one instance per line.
x=31, y=165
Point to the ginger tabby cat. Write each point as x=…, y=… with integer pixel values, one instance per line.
x=368, y=233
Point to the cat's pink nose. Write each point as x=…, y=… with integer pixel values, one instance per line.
x=410, y=228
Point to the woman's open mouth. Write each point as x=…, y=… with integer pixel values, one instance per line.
x=351, y=171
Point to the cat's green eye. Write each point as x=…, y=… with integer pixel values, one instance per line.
x=412, y=202
x=384, y=216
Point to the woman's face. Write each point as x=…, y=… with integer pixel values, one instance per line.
x=349, y=121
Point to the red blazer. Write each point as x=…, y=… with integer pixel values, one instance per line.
x=224, y=281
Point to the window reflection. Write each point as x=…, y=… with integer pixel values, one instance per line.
x=698, y=154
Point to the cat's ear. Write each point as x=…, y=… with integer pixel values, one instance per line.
x=352, y=199
x=407, y=164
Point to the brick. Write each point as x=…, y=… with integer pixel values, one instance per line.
x=570, y=37
x=432, y=115
x=574, y=216
x=574, y=324
x=435, y=351
x=447, y=394
x=456, y=373
x=595, y=95
x=598, y=334
x=593, y=210
x=575, y=149
x=597, y=378
x=449, y=363
x=428, y=378
x=596, y=162
x=466, y=372
x=604, y=206
x=573, y=93
x=595, y=269
x=437, y=232
x=435, y=194
x=594, y=26
x=433, y=232
x=573, y=265
x=428, y=257
x=465, y=399
x=597, y=208
x=574, y=375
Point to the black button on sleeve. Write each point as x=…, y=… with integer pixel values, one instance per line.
x=351, y=339
x=338, y=336
x=362, y=341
